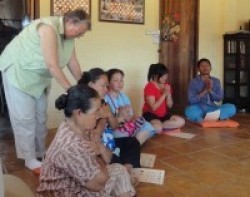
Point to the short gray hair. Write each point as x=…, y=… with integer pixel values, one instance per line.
x=78, y=15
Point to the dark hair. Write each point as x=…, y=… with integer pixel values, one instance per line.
x=91, y=76
x=113, y=71
x=203, y=60
x=156, y=71
x=77, y=16
x=77, y=97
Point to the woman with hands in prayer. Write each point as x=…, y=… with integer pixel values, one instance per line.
x=75, y=163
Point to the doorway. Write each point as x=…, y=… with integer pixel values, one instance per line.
x=179, y=45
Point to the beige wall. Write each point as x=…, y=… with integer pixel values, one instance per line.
x=110, y=45
x=210, y=32
x=126, y=46
x=216, y=18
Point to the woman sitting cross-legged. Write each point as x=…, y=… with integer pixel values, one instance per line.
x=74, y=165
x=159, y=100
x=121, y=106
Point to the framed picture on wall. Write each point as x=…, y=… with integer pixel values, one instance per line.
x=122, y=11
x=59, y=7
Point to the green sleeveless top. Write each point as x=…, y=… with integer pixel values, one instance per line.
x=23, y=62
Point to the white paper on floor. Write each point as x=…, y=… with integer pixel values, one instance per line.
x=212, y=116
x=181, y=135
x=147, y=160
x=149, y=175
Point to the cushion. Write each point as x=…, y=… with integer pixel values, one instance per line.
x=12, y=186
x=220, y=124
x=15, y=187
x=1, y=180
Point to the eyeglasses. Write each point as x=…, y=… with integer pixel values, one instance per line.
x=78, y=34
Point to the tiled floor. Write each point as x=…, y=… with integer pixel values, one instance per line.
x=216, y=162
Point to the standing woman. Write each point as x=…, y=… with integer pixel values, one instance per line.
x=75, y=165
x=28, y=63
x=159, y=100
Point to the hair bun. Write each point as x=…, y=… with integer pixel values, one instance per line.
x=61, y=101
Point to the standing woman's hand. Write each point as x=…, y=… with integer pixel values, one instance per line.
x=74, y=66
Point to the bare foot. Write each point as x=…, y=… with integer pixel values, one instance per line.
x=134, y=181
x=129, y=167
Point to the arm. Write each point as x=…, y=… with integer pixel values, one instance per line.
x=216, y=91
x=48, y=43
x=95, y=136
x=155, y=104
x=81, y=162
x=150, y=94
x=98, y=182
x=105, y=153
x=170, y=102
x=124, y=113
x=74, y=66
x=196, y=92
x=107, y=113
x=113, y=121
x=169, y=98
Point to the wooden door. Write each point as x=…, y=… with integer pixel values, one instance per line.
x=178, y=46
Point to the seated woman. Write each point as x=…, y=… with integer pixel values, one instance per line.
x=158, y=100
x=203, y=91
x=121, y=106
x=126, y=150
x=74, y=165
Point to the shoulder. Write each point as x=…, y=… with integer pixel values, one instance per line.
x=122, y=94
x=125, y=97
x=48, y=24
x=107, y=98
x=215, y=79
x=52, y=20
x=195, y=79
x=65, y=136
x=150, y=89
x=45, y=29
x=149, y=85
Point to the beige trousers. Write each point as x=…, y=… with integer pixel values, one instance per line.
x=28, y=121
